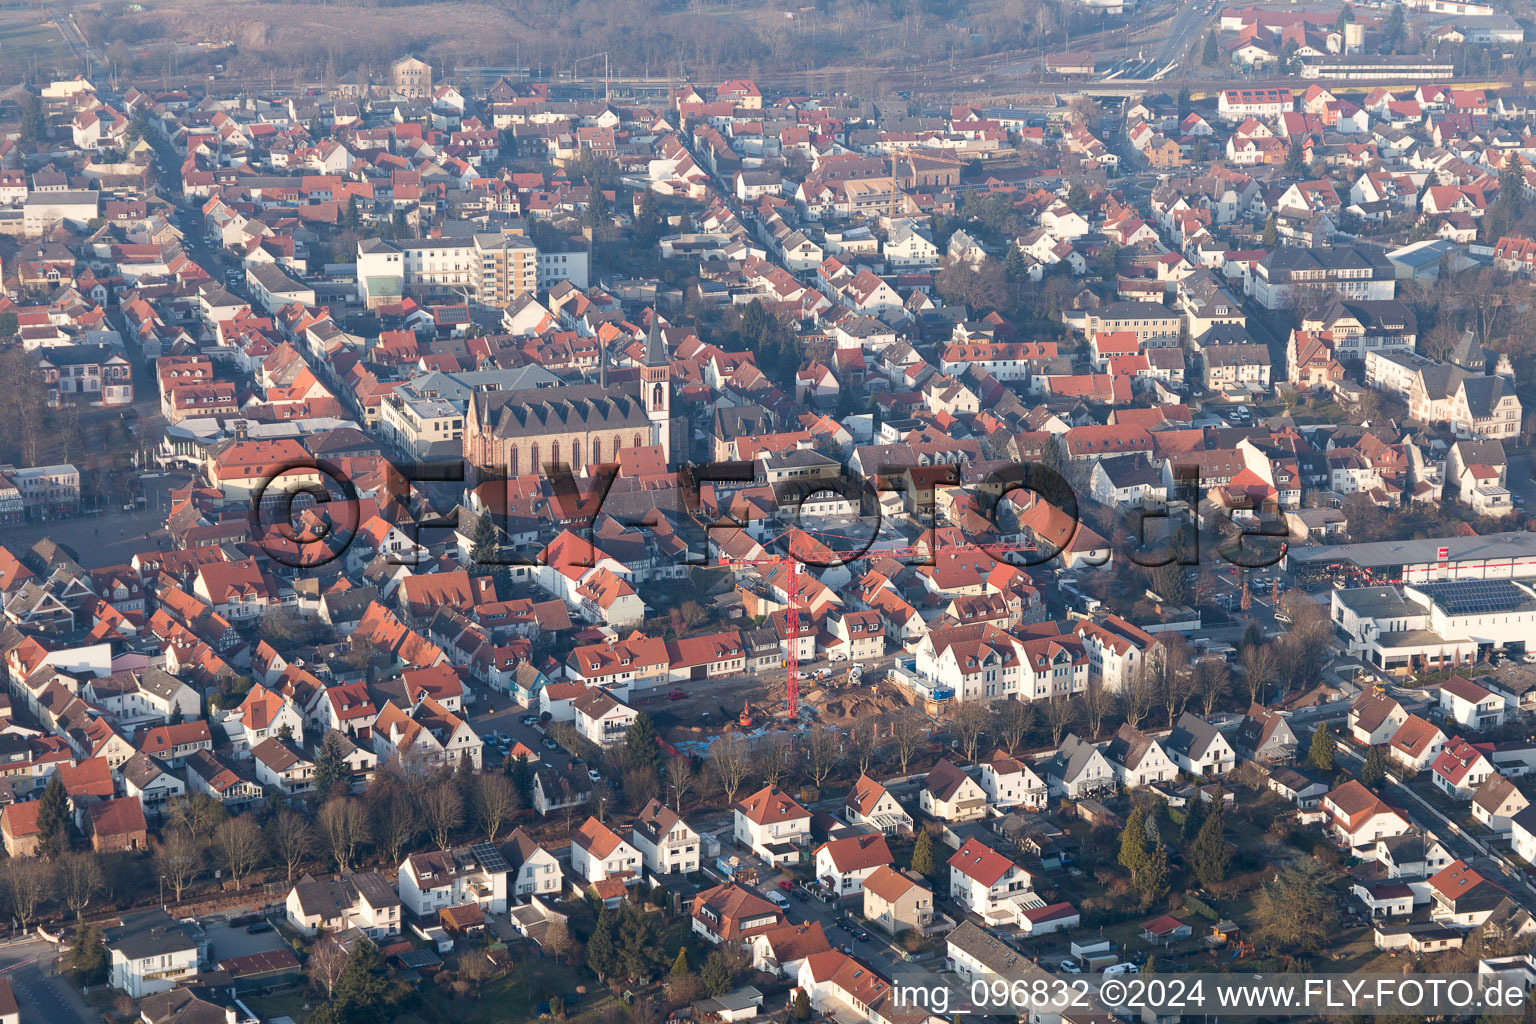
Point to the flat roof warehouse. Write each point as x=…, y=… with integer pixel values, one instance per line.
x=1506, y=555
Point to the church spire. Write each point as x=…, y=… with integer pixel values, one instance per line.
x=655, y=350
x=602, y=364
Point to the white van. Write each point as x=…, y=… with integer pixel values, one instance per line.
x=1126, y=968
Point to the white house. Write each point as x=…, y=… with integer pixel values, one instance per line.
x=843, y=864
x=602, y=718
x=1469, y=705
x=870, y=803
x=428, y=882
x=150, y=952
x=1374, y=717
x=1196, y=746
x=667, y=844
x=1079, y=769
x=1496, y=802
x=1416, y=744
x=772, y=825
x=987, y=883
x=1138, y=759
x=1009, y=782
x=949, y=793
x=534, y=870
x=364, y=900
x=598, y=853
x=1460, y=769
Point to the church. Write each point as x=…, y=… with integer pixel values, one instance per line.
x=576, y=425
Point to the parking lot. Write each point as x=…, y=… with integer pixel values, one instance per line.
x=234, y=940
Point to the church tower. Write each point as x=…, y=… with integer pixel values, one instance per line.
x=656, y=389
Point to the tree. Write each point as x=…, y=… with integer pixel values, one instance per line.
x=53, y=820
x=1295, y=909
x=1194, y=818
x=602, y=956
x=637, y=939
x=801, y=1010
x=522, y=779
x=345, y=828
x=1211, y=681
x=241, y=847
x=823, y=751
x=494, y=802
x=1133, y=843
x=326, y=963
x=483, y=551
x=679, y=780
x=27, y=883
x=1320, y=753
x=442, y=809
x=77, y=879
x=1095, y=701
x=1210, y=54
x=562, y=945
x=1077, y=197
x=909, y=731
x=716, y=974
x=922, y=854
x=970, y=720
x=866, y=745
x=1258, y=664
x=397, y=820
x=292, y=838
x=1138, y=693
x=88, y=959
x=1014, y=720
x=330, y=766
x=363, y=993
x=728, y=763
x=34, y=126
x=1295, y=158
x=1060, y=711
x=642, y=748
x=1270, y=236
x=1375, y=767
x=179, y=858
x=1209, y=853
x=680, y=964
x=1152, y=879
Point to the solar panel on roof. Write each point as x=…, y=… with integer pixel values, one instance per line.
x=490, y=858
x=1474, y=597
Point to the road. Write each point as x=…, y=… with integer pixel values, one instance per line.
x=40, y=994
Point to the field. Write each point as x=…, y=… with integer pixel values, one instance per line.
x=28, y=35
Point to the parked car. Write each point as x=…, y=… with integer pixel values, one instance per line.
x=1069, y=967
x=529, y=719
x=677, y=695
x=778, y=899
x=550, y=744
x=1122, y=969
x=258, y=928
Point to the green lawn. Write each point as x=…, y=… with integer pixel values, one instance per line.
x=516, y=997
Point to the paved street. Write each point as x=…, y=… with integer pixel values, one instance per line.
x=43, y=998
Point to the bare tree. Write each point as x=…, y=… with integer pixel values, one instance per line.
x=1096, y=702
x=443, y=810
x=679, y=780
x=866, y=744
x=1258, y=663
x=180, y=858
x=559, y=941
x=241, y=847
x=823, y=749
x=771, y=757
x=1138, y=693
x=1060, y=710
x=970, y=720
x=27, y=882
x=1212, y=678
x=397, y=821
x=495, y=800
x=1014, y=720
x=327, y=960
x=345, y=828
x=198, y=814
x=292, y=838
x=728, y=763
x=78, y=880
x=909, y=731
